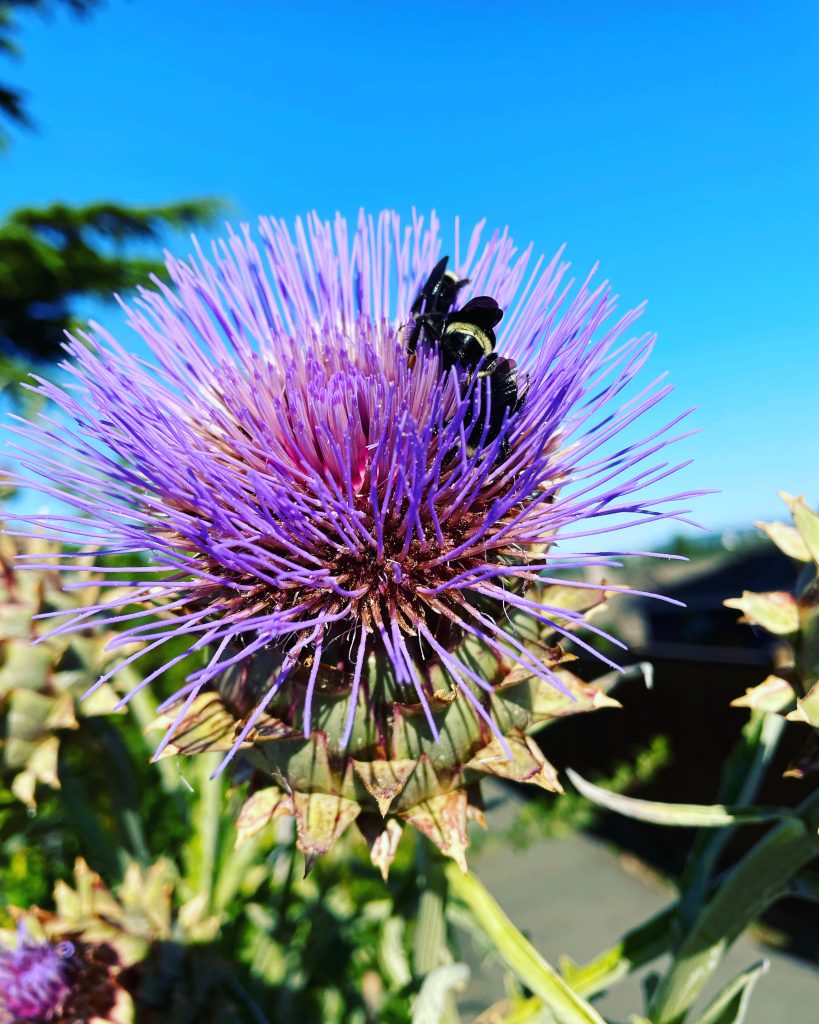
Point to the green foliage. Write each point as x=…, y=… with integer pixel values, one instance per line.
x=714, y=908
x=731, y=1004
x=51, y=257
x=231, y=936
x=676, y=815
x=327, y=947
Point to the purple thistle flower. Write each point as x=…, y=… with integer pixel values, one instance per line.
x=305, y=489
x=33, y=984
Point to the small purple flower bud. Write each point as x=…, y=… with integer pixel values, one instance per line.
x=33, y=980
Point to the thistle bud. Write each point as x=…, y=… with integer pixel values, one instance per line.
x=352, y=469
x=389, y=772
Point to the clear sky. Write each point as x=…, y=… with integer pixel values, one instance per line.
x=676, y=142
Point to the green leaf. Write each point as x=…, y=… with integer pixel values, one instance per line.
x=392, y=954
x=430, y=941
x=776, y=611
x=787, y=539
x=757, y=881
x=680, y=815
x=431, y=1004
x=731, y=1005
x=518, y=953
x=807, y=523
x=740, y=778
x=807, y=708
x=772, y=695
x=201, y=851
x=268, y=960
x=637, y=947
x=522, y=1011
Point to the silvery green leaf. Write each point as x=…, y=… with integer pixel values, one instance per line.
x=771, y=696
x=392, y=955
x=431, y=1003
x=806, y=522
x=518, y=953
x=683, y=815
x=776, y=611
x=759, y=879
x=787, y=539
x=731, y=1005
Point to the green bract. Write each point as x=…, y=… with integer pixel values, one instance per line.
x=385, y=779
x=794, y=691
x=41, y=686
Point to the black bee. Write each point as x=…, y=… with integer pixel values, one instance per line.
x=433, y=303
x=466, y=339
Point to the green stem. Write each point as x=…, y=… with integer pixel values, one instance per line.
x=123, y=786
x=742, y=775
x=430, y=947
x=286, y=890
x=757, y=881
x=203, y=847
x=529, y=1012
x=143, y=707
x=232, y=872
x=521, y=956
x=100, y=852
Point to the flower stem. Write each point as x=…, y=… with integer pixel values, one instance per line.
x=741, y=777
x=124, y=789
x=143, y=707
x=232, y=873
x=203, y=848
x=102, y=854
x=518, y=952
x=430, y=948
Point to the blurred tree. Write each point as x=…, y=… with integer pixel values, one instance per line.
x=51, y=257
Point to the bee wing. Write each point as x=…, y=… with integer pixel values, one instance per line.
x=428, y=288
x=483, y=311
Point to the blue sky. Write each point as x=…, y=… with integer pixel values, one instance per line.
x=675, y=142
